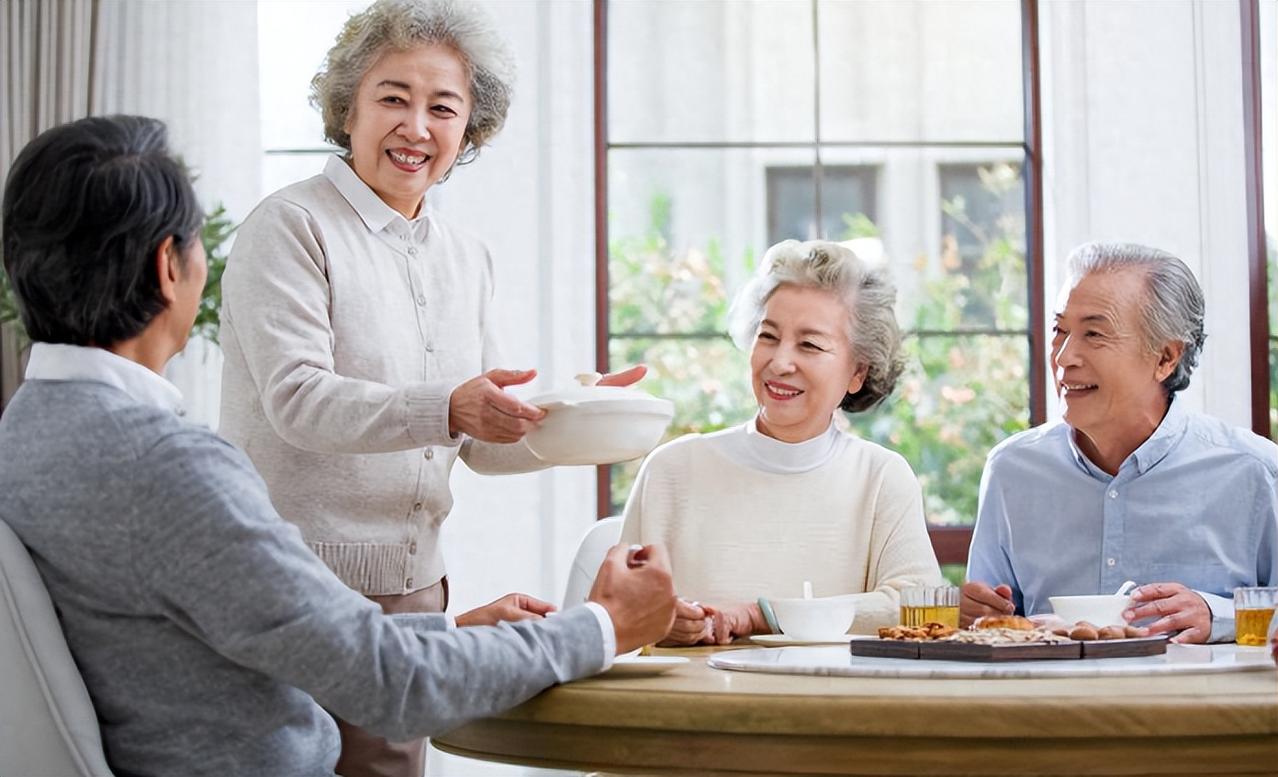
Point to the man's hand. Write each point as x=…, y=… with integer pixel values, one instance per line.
x=638, y=593
x=691, y=625
x=979, y=599
x=511, y=607
x=1177, y=609
x=480, y=409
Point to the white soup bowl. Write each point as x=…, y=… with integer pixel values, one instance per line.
x=824, y=618
x=1101, y=610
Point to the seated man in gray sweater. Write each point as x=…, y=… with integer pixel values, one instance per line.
x=210, y=638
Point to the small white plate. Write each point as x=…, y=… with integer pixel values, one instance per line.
x=782, y=640
x=639, y=666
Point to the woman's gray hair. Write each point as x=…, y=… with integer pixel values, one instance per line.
x=403, y=24
x=1173, y=308
x=866, y=291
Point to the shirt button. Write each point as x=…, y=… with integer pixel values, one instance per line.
x=417, y=508
x=430, y=347
x=408, y=583
x=1113, y=494
x=412, y=548
x=412, y=251
x=1109, y=562
x=429, y=454
x=421, y=301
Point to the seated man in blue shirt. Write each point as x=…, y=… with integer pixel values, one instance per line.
x=211, y=639
x=1132, y=485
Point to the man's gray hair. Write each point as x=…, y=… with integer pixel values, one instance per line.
x=866, y=291
x=1173, y=308
x=404, y=24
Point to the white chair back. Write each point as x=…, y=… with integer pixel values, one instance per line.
x=47, y=722
x=605, y=533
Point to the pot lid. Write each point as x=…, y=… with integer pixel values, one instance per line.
x=602, y=397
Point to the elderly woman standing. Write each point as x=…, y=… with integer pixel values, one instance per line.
x=360, y=357
x=751, y=512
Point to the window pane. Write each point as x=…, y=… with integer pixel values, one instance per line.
x=288, y=61
x=1269, y=162
x=792, y=195
x=280, y=170
x=959, y=396
x=950, y=221
x=951, y=224
x=685, y=229
x=710, y=71
x=708, y=380
x=913, y=70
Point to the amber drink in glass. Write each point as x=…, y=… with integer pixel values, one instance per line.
x=930, y=604
x=1253, y=610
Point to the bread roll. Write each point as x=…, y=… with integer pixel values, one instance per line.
x=1013, y=622
x=1084, y=630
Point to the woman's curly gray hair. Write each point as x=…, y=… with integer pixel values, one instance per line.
x=403, y=24
x=866, y=290
x=1174, y=308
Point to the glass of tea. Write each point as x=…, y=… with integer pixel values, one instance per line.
x=1253, y=610
x=930, y=604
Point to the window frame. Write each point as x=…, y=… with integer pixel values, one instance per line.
x=1261, y=336
x=950, y=543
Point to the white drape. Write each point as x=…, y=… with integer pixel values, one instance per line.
x=48, y=57
x=192, y=64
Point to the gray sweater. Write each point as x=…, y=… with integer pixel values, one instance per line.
x=208, y=634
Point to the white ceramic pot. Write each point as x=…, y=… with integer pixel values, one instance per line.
x=824, y=618
x=1102, y=610
x=598, y=424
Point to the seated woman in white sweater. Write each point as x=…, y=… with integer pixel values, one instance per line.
x=751, y=512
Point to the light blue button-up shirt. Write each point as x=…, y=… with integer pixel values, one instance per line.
x=1196, y=504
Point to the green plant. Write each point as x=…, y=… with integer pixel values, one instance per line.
x=217, y=229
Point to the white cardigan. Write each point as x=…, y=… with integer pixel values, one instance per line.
x=746, y=516
x=345, y=329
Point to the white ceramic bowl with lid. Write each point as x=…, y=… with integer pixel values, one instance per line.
x=598, y=424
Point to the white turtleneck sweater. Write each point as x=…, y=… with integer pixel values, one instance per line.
x=744, y=516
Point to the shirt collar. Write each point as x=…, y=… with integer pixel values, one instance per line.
x=372, y=210
x=55, y=361
x=1164, y=438
x=772, y=455
x=1153, y=450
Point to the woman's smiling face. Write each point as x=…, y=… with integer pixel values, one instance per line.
x=408, y=122
x=802, y=363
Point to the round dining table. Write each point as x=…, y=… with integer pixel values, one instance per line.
x=697, y=719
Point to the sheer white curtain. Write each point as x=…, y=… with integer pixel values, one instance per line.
x=192, y=64
x=48, y=57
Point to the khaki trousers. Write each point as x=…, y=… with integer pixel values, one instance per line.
x=364, y=754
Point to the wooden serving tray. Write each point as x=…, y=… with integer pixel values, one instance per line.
x=966, y=651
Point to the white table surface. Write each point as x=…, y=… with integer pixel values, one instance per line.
x=836, y=661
